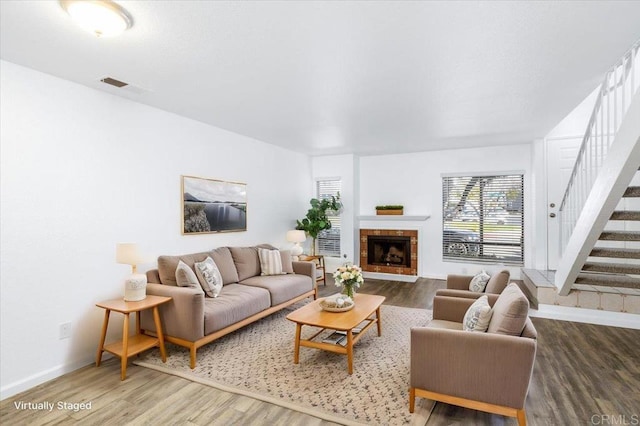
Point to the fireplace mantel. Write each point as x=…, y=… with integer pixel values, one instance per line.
x=395, y=218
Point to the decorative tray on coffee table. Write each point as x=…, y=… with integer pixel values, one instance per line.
x=337, y=304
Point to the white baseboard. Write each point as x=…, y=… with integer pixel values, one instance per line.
x=589, y=316
x=391, y=277
x=44, y=376
x=435, y=277
x=403, y=278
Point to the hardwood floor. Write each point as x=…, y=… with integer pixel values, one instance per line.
x=582, y=372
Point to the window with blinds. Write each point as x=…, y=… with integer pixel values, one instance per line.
x=483, y=218
x=329, y=239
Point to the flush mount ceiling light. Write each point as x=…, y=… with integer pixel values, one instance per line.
x=100, y=17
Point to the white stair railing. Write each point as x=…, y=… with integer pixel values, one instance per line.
x=616, y=92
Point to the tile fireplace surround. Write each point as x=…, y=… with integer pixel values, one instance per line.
x=388, y=260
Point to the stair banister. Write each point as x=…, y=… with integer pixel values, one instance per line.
x=617, y=94
x=614, y=97
x=618, y=169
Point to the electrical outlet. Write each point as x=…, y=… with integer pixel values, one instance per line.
x=65, y=330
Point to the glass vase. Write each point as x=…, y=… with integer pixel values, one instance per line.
x=349, y=290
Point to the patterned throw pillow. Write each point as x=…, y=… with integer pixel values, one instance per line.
x=185, y=277
x=478, y=315
x=209, y=277
x=479, y=282
x=270, y=262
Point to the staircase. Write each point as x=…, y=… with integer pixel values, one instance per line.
x=610, y=278
x=615, y=260
x=600, y=212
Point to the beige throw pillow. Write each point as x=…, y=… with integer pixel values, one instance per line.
x=478, y=315
x=287, y=262
x=497, y=282
x=510, y=312
x=209, y=277
x=479, y=282
x=270, y=262
x=185, y=277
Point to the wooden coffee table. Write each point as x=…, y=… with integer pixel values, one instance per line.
x=312, y=314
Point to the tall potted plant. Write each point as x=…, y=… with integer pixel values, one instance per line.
x=316, y=219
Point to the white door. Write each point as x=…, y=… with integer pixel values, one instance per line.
x=561, y=156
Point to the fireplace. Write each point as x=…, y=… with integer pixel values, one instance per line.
x=391, y=251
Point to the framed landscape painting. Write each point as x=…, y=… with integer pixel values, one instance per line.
x=210, y=205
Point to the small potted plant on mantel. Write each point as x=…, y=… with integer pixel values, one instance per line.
x=390, y=210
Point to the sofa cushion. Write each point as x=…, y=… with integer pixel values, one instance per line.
x=478, y=315
x=246, y=261
x=510, y=312
x=497, y=282
x=281, y=287
x=235, y=303
x=185, y=277
x=167, y=265
x=224, y=261
x=209, y=277
x=479, y=282
x=270, y=262
x=444, y=324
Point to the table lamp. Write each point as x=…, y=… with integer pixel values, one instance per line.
x=296, y=237
x=135, y=285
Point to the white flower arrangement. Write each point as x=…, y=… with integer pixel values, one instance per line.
x=348, y=276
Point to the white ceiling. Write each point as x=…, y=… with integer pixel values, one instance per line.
x=333, y=77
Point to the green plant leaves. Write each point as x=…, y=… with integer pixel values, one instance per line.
x=316, y=219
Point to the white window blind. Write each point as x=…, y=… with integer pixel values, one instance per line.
x=483, y=218
x=329, y=239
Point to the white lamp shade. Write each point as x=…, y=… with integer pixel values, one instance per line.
x=128, y=254
x=296, y=236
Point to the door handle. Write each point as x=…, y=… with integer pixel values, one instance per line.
x=552, y=215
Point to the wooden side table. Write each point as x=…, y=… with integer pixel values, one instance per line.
x=131, y=345
x=319, y=261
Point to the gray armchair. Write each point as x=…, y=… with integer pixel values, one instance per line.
x=458, y=285
x=487, y=371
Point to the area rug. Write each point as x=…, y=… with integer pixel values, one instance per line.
x=257, y=361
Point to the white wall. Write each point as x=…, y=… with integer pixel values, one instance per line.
x=575, y=123
x=415, y=181
x=82, y=170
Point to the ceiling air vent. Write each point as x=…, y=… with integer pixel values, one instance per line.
x=114, y=82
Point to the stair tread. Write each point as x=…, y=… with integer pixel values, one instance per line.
x=625, y=215
x=632, y=191
x=620, y=253
x=623, y=268
x=620, y=235
x=608, y=280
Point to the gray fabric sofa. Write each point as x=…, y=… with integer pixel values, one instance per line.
x=192, y=319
